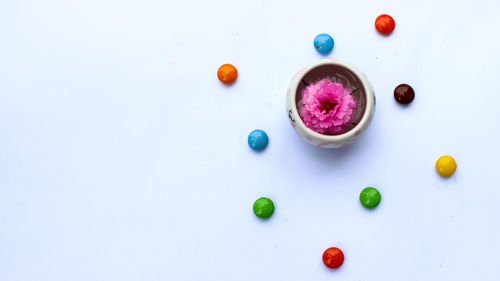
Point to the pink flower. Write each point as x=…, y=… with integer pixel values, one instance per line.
x=326, y=107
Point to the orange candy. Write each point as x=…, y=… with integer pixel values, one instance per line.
x=385, y=24
x=227, y=73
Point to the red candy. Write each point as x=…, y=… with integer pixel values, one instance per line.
x=333, y=257
x=385, y=24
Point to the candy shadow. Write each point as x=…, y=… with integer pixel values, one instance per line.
x=257, y=152
x=403, y=105
x=262, y=151
x=333, y=271
x=269, y=220
x=229, y=85
x=447, y=181
x=331, y=157
x=385, y=35
x=369, y=210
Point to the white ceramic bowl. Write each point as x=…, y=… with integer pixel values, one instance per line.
x=343, y=72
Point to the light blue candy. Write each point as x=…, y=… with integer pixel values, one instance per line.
x=258, y=140
x=323, y=43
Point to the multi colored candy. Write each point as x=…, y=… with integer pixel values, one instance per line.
x=263, y=207
x=369, y=197
x=333, y=257
x=323, y=43
x=385, y=24
x=446, y=166
x=227, y=73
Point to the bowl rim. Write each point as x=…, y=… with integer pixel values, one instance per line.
x=370, y=100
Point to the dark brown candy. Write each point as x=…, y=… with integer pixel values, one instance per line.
x=404, y=94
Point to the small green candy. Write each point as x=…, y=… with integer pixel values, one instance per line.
x=263, y=207
x=370, y=197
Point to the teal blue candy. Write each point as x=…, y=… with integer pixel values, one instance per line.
x=323, y=43
x=258, y=140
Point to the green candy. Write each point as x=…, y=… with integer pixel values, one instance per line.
x=263, y=207
x=370, y=197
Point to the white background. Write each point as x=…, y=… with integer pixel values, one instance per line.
x=122, y=157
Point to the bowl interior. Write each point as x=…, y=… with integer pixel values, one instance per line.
x=342, y=74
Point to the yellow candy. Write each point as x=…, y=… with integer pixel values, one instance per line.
x=446, y=166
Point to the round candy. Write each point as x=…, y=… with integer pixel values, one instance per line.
x=370, y=197
x=385, y=24
x=258, y=140
x=227, y=73
x=333, y=257
x=263, y=207
x=404, y=94
x=446, y=166
x=323, y=43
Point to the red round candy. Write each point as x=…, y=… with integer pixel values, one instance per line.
x=385, y=24
x=333, y=257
